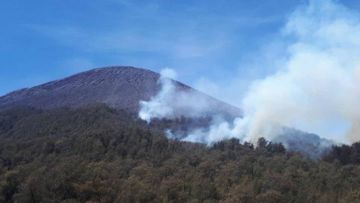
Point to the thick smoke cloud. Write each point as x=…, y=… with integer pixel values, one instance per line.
x=319, y=84
x=316, y=89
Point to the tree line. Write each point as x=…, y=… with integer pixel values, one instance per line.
x=99, y=154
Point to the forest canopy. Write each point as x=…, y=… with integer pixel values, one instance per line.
x=99, y=154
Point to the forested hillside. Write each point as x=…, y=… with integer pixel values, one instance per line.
x=99, y=154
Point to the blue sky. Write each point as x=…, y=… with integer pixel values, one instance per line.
x=43, y=40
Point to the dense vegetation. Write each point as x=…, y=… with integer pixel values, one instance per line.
x=98, y=154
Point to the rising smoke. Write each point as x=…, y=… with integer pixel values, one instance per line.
x=318, y=86
x=173, y=101
x=160, y=105
x=317, y=89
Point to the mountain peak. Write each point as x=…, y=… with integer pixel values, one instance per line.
x=120, y=87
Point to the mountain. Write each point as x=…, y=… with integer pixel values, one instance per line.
x=120, y=87
x=103, y=153
x=123, y=88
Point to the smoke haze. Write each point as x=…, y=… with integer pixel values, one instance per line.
x=315, y=89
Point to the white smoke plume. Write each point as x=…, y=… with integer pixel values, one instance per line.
x=219, y=130
x=172, y=102
x=159, y=106
x=316, y=89
x=319, y=85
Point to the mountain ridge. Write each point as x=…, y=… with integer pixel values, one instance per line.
x=121, y=87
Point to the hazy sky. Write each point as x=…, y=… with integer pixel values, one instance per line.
x=203, y=40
